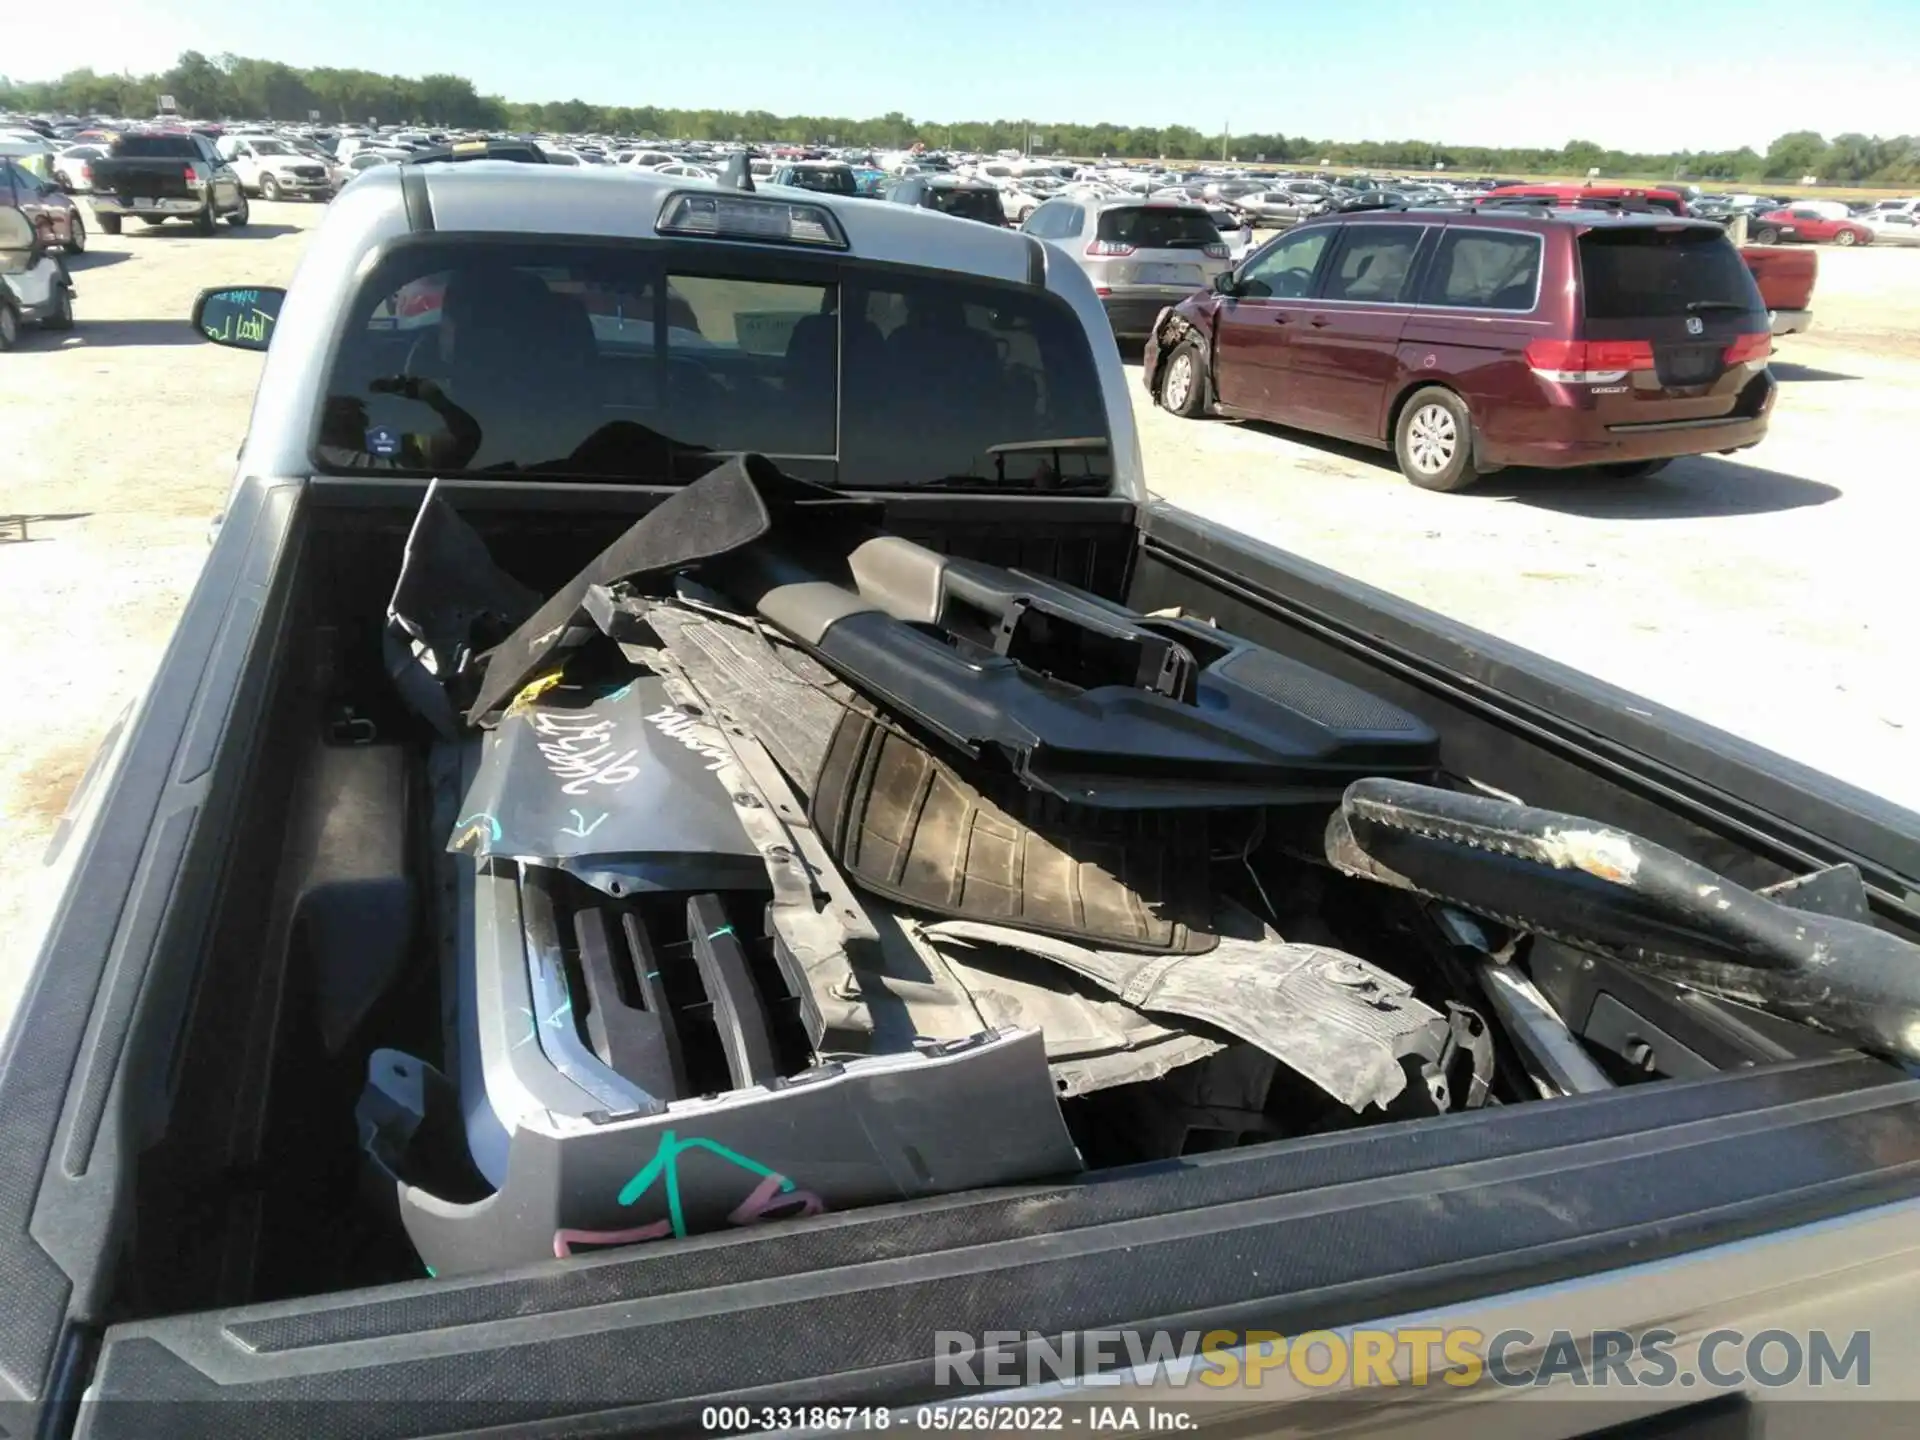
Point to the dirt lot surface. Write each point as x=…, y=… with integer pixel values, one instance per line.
x=1769, y=595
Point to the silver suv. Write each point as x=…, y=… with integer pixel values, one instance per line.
x=1142, y=255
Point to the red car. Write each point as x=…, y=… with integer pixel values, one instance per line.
x=1800, y=223
x=1467, y=341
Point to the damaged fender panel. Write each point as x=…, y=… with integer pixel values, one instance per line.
x=1612, y=893
x=1170, y=330
x=1341, y=1022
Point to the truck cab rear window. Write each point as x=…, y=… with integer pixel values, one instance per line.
x=1645, y=273
x=613, y=363
x=155, y=147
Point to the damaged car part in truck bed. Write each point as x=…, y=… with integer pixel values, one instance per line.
x=1600, y=889
x=789, y=796
x=703, y=875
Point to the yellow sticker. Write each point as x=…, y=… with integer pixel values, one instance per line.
x=532, y=691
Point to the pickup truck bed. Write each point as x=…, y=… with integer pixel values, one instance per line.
x=248, y=1210
x=190, y=182
x=1064, y=827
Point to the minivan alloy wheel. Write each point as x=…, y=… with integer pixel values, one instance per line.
x=1178, y=384
x=1432, y=439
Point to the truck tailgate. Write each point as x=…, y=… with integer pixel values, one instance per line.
x=843, y=1309
x=1785, y=275
x=161, y=178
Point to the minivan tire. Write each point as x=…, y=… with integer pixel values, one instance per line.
x=1632, y=469
x=1433, y=440
x=1183, y=382
x=109, y=224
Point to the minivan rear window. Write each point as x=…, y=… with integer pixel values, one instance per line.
x=1659, y=273
x=1159, y=227
x=967, y=203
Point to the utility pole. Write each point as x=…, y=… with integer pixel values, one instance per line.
x=1226, y=127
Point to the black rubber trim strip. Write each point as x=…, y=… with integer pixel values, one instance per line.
x=844, y=1307
x=419, y=201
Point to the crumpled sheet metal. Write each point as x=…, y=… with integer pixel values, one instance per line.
x=1345, y=1024
x=611, y=785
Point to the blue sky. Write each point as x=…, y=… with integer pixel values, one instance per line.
x=1637, y=74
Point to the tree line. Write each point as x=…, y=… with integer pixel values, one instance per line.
x=235, y=87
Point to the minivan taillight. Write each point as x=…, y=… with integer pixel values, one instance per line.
x=187, y=172
x=1749, y=349
x=1108, y=248
x=1216, y=251
x=1588, y=362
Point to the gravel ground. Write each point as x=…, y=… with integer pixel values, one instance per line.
x=1766, y=594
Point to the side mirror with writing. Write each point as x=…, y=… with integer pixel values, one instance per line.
x=240, y=316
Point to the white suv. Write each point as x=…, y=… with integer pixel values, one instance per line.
x=274, y=170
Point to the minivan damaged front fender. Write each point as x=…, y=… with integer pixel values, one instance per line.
x=1169, y=331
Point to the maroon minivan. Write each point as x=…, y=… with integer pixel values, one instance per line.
x=1469, y=340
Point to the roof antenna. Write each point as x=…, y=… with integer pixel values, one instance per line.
x=738, y=172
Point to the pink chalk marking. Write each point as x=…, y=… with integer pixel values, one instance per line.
x=565, y=1240
x=769, y=1200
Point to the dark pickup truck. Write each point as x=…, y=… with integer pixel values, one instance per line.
x=166, y=175
x=703, y=859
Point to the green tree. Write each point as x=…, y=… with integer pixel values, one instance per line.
x=1797, y=153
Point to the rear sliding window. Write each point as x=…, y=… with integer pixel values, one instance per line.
x=1159, y=228
x=968, y=204
x=1646, y=273
x=156, y=147
x=612, y=363
x=1485, y=270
